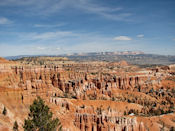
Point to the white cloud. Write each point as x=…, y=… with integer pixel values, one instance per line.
x=122, y=38
x=16, y=2
x=57, y=48
x=140, y=36
x=46, y=35
x=4, y=21
x=40, y=48
x=46, y=48
x=106, y=12
x=48, y=26
x=61, y=42
x=46, y=7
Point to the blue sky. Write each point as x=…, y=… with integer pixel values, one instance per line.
x=65, y=26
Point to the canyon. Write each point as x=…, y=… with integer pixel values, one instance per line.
x=89, y=95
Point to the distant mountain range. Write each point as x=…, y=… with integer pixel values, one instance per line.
x=80, y=54
x=133, y=57
x=107, y=53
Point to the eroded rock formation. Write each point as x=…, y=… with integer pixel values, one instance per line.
x=96, y=96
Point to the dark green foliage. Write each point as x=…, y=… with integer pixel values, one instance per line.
x=65, y=95
x=125, y=113
x=172, y=128
x=83, y=106
x=4, y=112
x=22, y=97
x=74, y=97
x=15, y=126
x=113, y=98
x=40, y=118
x=99, y=110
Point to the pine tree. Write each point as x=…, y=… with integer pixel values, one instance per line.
x=172, y=129
x=15, y=126
x=4, y=111
x=40, y=118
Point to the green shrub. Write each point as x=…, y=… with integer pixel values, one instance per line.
x=40, y=118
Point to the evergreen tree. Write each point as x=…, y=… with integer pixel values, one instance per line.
x=4, y=111
x=40, y=118
x=15, y=126
x=172, y=129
